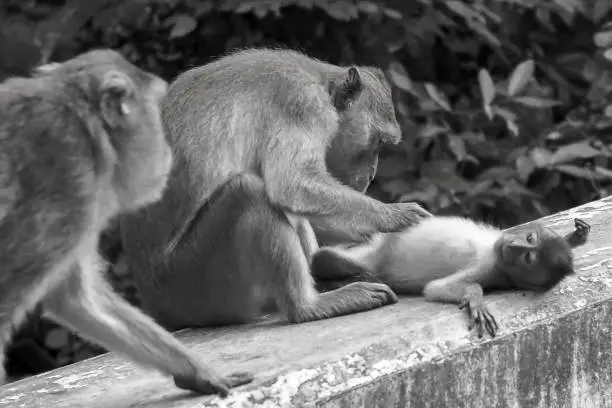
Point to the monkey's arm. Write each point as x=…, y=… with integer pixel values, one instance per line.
x=306, y=188
x=87, y=304
x=464, y=288
x=332, y=269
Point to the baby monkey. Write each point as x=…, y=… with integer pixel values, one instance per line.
x=453, y=259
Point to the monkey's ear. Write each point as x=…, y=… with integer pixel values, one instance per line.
x=347, y=90
x=45, y=68
x=115, y=91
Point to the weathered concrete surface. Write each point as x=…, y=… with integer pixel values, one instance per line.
x=553, y=350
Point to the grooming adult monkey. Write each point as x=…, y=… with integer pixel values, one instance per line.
x=453, y=259
x=262, y=140
x=81, y=142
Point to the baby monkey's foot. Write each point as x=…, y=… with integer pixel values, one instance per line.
x=206, y=383
x=580, y=234
x=479, y=315
x=582, y=228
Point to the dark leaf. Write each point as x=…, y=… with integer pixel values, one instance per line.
x=579, y=172
x=536, y=102
x=182, y=24
x=540, y=157
x=603, y=172
x=392, y=166
x=525, y=166
x=457, y=145
x=520, y=77
x=487, y=88
x=437, y=95
x=580, y=150
x=399, y=76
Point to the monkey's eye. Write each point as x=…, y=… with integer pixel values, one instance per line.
x=531, y=237
x=530, y=257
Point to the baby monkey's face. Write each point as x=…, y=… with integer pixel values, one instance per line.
x=521, y=247
x=533, y=257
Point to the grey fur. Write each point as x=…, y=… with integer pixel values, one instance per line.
x=80, y=142
x=259, y=136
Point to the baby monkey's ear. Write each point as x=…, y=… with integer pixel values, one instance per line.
x=347, y=89
x=116, y=89
x=580, y=234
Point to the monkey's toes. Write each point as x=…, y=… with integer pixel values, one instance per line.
x=202, y=383
x=382, y=292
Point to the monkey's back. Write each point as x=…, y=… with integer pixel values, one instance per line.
x=43, y=174
x=437, y=247
x=220, y=119
x=233, y=107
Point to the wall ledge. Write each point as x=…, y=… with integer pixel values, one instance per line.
x=552, y=350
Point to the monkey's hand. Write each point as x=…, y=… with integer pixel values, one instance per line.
x=478, y=314
x=206, y=382
x=403, y=215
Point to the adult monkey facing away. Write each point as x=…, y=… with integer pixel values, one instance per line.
x=252, y=133
x=453, y=259
x=79, y=143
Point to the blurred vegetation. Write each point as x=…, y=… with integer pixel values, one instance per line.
x=505, y=104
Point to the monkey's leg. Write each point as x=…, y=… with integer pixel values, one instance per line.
x=4, y=338
x=16, y=299
x=332, y=269
x=296, y=295
x=239, y=254
x=306, y=235
x=282, y=254
x=87, y=304
x=461, y=289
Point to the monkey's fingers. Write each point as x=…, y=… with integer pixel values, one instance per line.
x=490, y=324
x=465, y=305
x=493, y=320
x=206, y=383
x=238, y=378
x=474, y=318
x=480, y=323
x=404, y=215
x=582, y=228
x=581, y=224
x=201, y=385
x=420, y=210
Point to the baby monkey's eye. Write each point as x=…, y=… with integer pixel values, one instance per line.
x=531, y=237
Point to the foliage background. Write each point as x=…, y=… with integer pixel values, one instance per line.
x=504, y=104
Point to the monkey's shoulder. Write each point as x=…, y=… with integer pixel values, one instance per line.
x=266, y=64
x=44, y=158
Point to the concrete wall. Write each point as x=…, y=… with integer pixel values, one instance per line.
x=552, y=350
